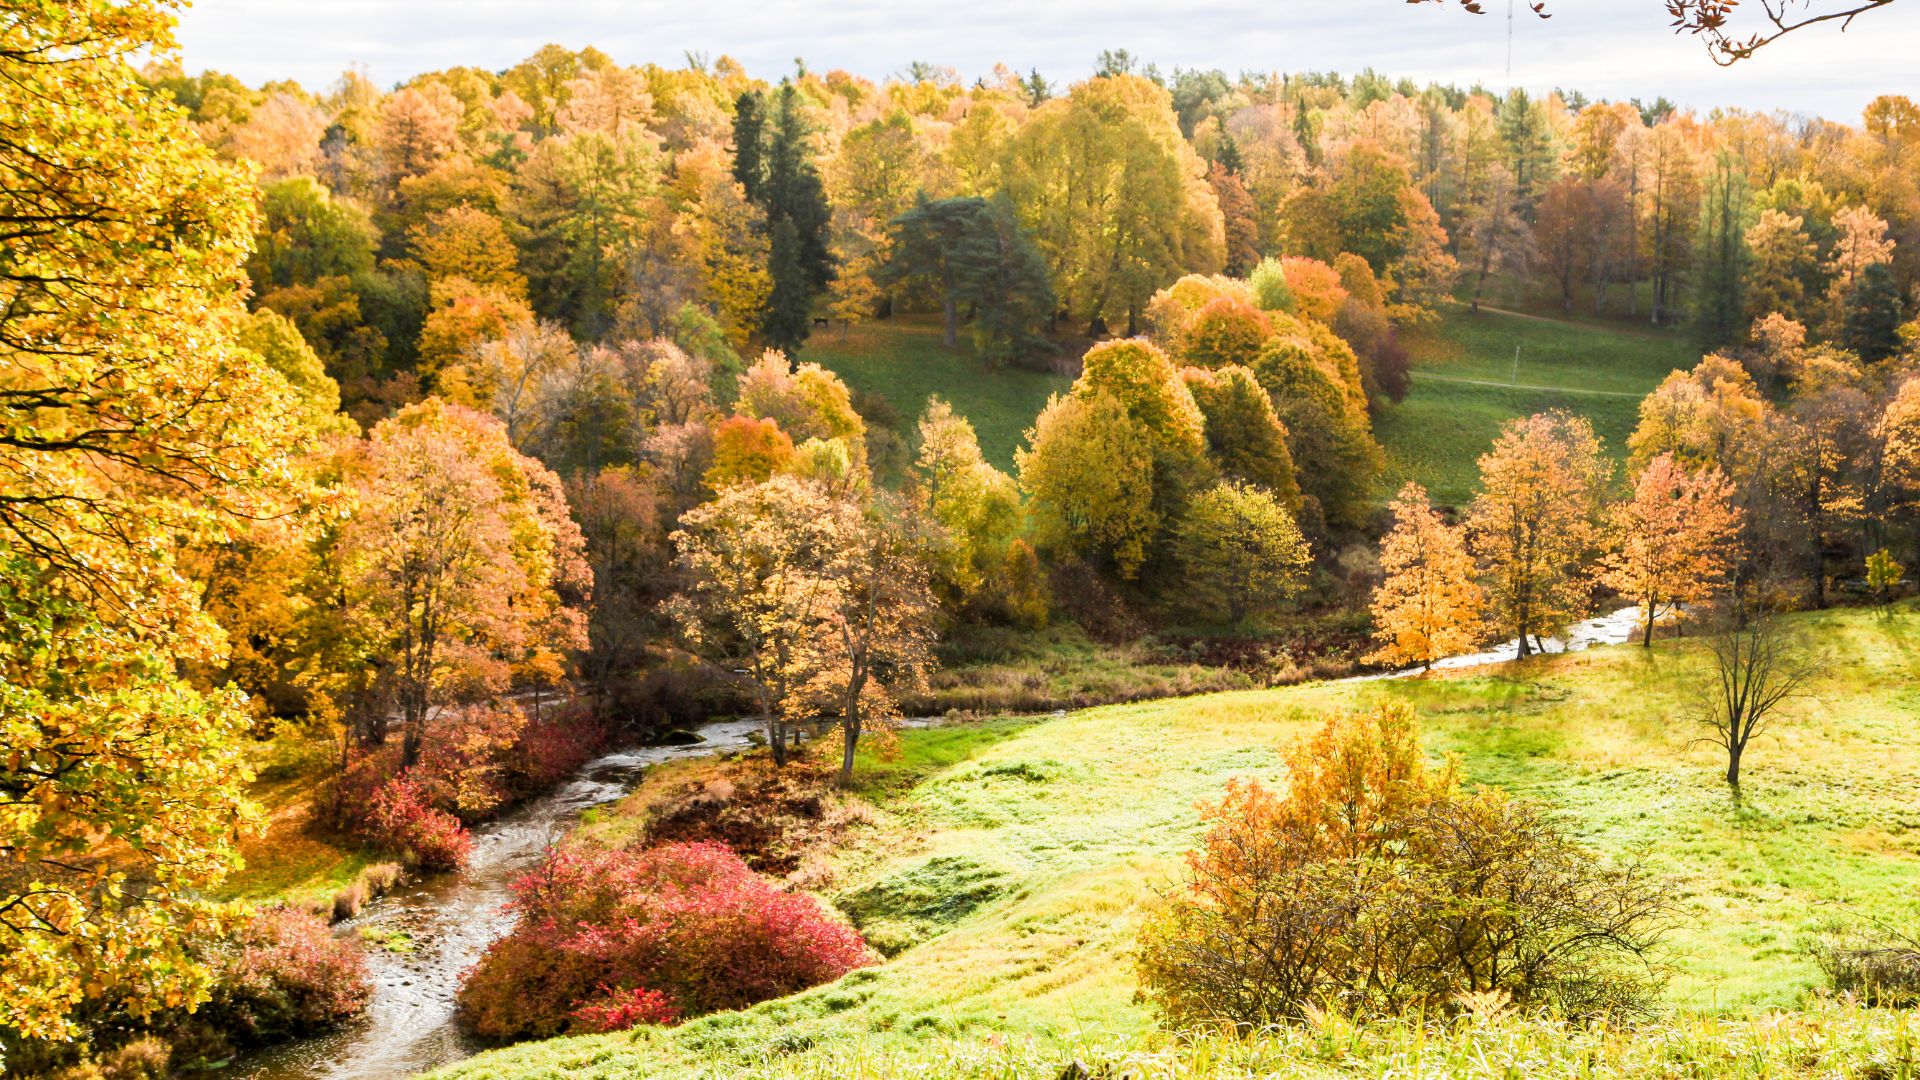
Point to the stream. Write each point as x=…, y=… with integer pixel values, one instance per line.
x=442, y=923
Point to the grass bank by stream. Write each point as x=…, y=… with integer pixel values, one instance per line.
x=1007, y=878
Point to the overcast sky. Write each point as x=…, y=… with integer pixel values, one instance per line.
x=1605, y=48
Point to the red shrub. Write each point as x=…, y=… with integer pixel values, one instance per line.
x=618, y=1010
x=401, y=816
x=285, y=973
x=552, y=746
x=688, y=922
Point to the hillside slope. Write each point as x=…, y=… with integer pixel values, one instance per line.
x=1010, y=881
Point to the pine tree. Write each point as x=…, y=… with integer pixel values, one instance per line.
x=1873, y=314
x=774, y=165
x=749, y=139
x=1720, y=301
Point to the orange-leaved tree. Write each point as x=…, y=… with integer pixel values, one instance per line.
x=1429, y=605
x=460, y=567
x=1673, y=539
x=1536, y=520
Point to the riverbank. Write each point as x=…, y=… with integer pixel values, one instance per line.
x=1007, y=883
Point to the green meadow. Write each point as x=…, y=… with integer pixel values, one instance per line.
x=1006, y=867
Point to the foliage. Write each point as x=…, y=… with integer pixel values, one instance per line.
x=1673, y=540
x=460, y=567
x=1374, y=886
x=1241, y=552
x=1245, y=439
x=1089, y=469
x=284, y=973
x=1535, y=522
x=401, y=818
x=135, y=425
x=688, y=922
x=1428, y=606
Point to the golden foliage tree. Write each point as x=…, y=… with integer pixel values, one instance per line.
x=1088, y=465
x=1674, y=539
x=1536, y=521
x=135, y=426
x=1429, y=606
x=460, y=566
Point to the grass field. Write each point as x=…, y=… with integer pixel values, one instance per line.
x=904, y=361
x=1005, y=872
x=1466, y=384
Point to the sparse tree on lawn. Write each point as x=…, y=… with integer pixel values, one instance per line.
x=1757, y=669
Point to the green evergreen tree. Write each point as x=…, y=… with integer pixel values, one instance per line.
x=749, y=139
x=979, y=260
x=1720, y=291
x=774, y=163
x=1873, y=314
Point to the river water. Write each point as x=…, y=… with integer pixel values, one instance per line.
x=450, y=919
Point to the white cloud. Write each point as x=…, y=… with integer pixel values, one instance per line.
x=1605, y=48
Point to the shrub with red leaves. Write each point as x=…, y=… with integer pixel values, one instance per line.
x=690, y=923
x=400, y=816
x=285, y=973
x=618, y=1010
x=552, y=746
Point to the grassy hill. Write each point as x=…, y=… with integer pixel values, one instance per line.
x=1007, y=880
x=1465, y=385
x=904, y=361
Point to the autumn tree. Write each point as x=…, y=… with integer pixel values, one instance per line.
x=1781, y=259
x=1117, y=201
x=1240, y=552
x=135, y=427
x=976, y=506
x=747, y=450
x=460, y=564
x=1536, y=521
x=877, y=634
x=755, y=593
x=1089, y=467
x=1245, y=439
x=1428, y=606
x=1674, y=540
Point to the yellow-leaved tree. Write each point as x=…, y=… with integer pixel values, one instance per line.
x=1536, y=520
x=133, y=426
x=1674, y=540
x=1429, y=605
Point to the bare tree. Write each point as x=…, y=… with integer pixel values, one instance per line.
x=1713, y=20
x=1757, y=669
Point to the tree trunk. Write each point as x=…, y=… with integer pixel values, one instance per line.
x=850, y=727
x=951, y=307
x=1733, y=768
x=1647, y=641
x=777, y=739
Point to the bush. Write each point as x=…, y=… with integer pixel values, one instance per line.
x=284, y=974
x=551, y=746
x=400, y=817
x=1880, y=966
x=610, y=938
x=1375, y=886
